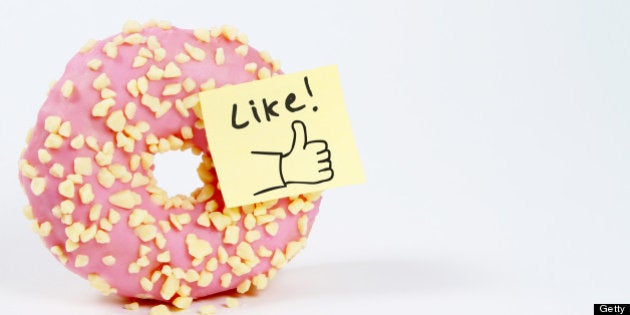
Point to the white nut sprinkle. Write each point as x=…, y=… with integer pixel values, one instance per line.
x=109, y=260
x=231, y=235
x=172, y=89
x=265, y=56
x=231, y=302
x=172, y=70
x=143, y=84
x=52, y=124
x=86, y=194
x=159, y=54
x=56, y=170
x=94, y=64
x=81, y=261
x=87, y=46
x=169, y=287
x=139, y=61
x=182, y=302
x=111, y=50
x=65, y=129
x=66, y=188
x=116, y=121
x=226, y=279
x=160, y=310
x=219, y=57
x=67, y=88
x=155, y=73
x=132, y=306
x=101, y=108
x=208, y=85
x=131, y=26
x=130, y=110
x=302, y=224
x=260, y=281
x=241, y=50
x=207, y=309
x=251, y=67
x=83, y=166
x=271, y=228
x=182, y=58
x=263, y=73
x=101, y=82
x=195, y=52
x=202, y=35
x=43, y=156
x=126, y=199
x=229, y=32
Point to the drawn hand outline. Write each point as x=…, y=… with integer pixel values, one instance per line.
x=307, y=162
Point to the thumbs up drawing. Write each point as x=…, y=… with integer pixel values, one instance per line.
x=306, y=162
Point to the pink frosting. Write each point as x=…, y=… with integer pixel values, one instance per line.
x=124, y=245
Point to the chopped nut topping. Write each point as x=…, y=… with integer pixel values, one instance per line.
x=109, y=260
x=260, y=281
x=182, y=302
x=139, y=61
x=100, y=284
x=242, y=50
x=132, y=306
x=195, y=52
x=208, y=309
x=172, y=89
x=83, y=166
x=263, y=73
x=67, y=88
x=226, y=279
x=231, y=235
x=160, y=310
x=131, y=26
x=87, y=46
x=52, y=124
x=244, y=286
x=81, y=261
x=231, y=302
x=111, y=50
x=272, y=228
x=155, y=73
x=101, y=82
x=202, y=35
x=56, y=170
x=219, y=57
x=86, y=194
x=251, y=67
x=198, y=248
x=94, y=64
x=172, y=71
x=182, y=58
x=125, y=199
x=66, y=188
x=65, y=129
x=160, y=54
x=169, y=287
x=302, y=224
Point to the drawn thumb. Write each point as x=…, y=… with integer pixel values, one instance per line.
x=299, y=134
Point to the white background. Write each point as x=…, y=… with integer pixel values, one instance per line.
x=495, y=137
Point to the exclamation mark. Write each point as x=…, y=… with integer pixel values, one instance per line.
x=308, y=89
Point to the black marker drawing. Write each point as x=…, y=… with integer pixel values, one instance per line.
x=307, y=162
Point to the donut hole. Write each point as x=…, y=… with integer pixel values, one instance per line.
x=176, y=172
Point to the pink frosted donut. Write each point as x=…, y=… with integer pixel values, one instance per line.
x=88, y=170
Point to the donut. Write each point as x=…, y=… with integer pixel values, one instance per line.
x=87, y=170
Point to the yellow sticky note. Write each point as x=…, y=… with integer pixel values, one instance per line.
x=281, y=136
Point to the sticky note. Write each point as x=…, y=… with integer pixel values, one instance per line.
x=281, y=136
